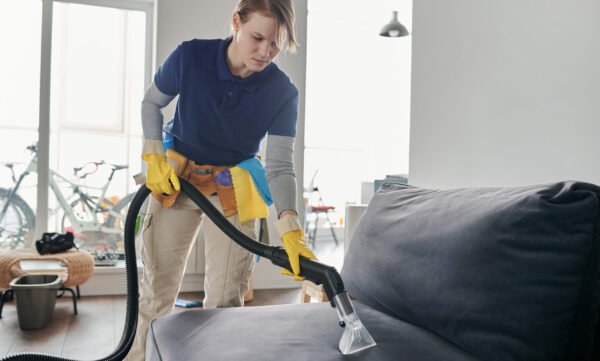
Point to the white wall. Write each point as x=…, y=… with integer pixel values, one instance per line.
x=180, y=20
x=505, y=92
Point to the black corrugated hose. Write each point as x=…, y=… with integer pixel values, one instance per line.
x=312, y=270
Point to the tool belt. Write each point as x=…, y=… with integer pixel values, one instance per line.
x=202, y=177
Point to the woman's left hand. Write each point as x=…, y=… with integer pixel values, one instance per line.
x=292, y=238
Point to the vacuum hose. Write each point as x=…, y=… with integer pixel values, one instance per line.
x=311, y=270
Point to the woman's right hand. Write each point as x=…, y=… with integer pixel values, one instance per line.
x=161, y=176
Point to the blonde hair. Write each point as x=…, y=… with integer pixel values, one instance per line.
x=282, y=10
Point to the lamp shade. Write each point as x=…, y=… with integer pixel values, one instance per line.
x=393, y=29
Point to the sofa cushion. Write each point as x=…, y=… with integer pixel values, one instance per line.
x=300, y=332
x=505, y=273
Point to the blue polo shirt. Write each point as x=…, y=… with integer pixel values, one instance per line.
x=222, y=118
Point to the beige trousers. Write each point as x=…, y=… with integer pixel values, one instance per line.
x=168, y=236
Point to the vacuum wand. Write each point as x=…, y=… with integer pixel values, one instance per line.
x=355, y=337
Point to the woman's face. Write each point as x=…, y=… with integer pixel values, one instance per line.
x=255, y=41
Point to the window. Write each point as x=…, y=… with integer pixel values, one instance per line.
x=99, y=57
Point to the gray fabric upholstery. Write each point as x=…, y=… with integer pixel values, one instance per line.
x=300, y=332
x=504, y=273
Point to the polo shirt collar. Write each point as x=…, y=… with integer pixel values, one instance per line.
x=251, y=82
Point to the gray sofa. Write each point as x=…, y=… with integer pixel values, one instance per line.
x=486, y=274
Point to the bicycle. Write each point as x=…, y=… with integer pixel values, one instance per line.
x=84, y=214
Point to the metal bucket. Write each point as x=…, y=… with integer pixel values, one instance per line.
x=36, y=298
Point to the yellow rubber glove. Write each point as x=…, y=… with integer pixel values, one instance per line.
x=161, y=176
x=292, y=237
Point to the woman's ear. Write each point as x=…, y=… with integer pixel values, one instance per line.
x=235, y=22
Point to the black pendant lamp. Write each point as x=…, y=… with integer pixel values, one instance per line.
x=393, y=29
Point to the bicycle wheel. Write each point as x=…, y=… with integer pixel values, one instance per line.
x=17, y=227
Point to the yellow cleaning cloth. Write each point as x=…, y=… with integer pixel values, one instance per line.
x=250, y=204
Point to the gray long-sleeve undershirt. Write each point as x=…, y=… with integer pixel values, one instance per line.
x=279, y=156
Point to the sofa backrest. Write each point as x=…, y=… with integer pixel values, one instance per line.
x=504, y=273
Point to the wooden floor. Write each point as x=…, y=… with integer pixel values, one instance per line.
x=96, y=331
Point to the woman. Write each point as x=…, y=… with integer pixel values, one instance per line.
x=231, y=96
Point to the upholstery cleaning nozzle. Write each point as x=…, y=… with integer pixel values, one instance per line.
x=355, y=337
